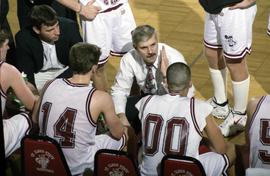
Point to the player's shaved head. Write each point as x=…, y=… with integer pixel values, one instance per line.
x=178, y=77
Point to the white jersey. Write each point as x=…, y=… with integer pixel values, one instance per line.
x=259, y=131
x=3, y=95
x=3, y=99
x=170, y=125
x=105, y=4
x=65, y=116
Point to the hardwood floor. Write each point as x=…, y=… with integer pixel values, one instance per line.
x=180, y=24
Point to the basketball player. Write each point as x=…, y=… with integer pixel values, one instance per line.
x=257, y=132
x=227, y=46
x=70, y=108
x=17, y=126
x=110, y=30
x=174, y=124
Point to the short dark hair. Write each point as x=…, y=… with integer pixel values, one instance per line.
x=83, y=56
x=3, y=37
x=178, y=76
x=43, y=15
x=142, y=33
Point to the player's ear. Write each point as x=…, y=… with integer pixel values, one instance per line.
x=36, y=30
x=94, y=68
x=190, y=84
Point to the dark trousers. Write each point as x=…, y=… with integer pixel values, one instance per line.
x=132, y=113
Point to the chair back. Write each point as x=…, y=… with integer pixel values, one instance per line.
x=42, y=155
x=181, y=165
x=112, y=162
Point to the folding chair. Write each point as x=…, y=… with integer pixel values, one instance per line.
x=42, y=156
x=114, y=162
x=181, y=165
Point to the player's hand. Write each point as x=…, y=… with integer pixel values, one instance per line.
x=90, y=11
x=164, y=63
x=244, y=4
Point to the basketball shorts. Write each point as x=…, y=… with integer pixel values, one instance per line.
x=15, y=129
x=230, y=30
x=214, y=163
x=111, y=31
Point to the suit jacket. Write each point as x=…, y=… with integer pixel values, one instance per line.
x=29, y=49
x=4, y=25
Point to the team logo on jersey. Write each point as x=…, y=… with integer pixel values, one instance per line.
x=230, y=40
x=180, y=172
x=115, y=169
x=112, y=2
x=42, y=158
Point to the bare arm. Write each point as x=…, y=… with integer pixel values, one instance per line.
x=16, y=82
x=103, y=103
x=214, y=135
x=251, y=107
x=243, y=4
x=89, y=11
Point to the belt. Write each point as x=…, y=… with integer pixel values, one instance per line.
x=112, y=8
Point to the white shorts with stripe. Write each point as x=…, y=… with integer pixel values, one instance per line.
x=214, y=163
x=102, y=141
x=111, y=31
x=15, y=129
x=230, y=30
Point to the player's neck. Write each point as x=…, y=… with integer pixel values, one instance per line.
x=80, y=79
x=182, y=93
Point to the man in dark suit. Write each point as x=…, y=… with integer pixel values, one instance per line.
x=42, y=49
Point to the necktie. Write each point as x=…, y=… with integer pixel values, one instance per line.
x=150, y=83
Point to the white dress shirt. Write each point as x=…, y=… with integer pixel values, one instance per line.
x=132, y=65
x=51, y=65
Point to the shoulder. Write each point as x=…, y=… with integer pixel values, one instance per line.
x=26, y=35
x=9, y=69
x=130, y=58
x=173, y=54
x=10, y=73
x=25, y=32
x=202, y=106
x=252, y=104
x=101, y=96
x=143, y=101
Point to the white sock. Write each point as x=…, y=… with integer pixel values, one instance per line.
x=219, y=81
x=269, y=21
x=240, y=94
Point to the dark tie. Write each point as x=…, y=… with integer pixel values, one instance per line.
x=150, y=83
